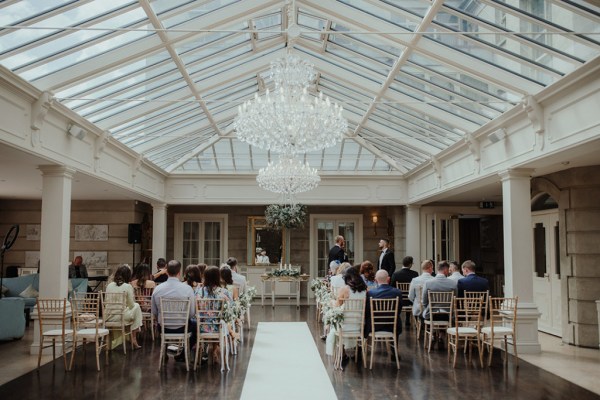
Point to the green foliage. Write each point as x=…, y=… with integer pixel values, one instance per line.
x=288, y=216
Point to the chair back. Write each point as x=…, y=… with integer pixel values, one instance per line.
x=503, y=312
x=404, y=288
x=384, y=315
x=209, y=313
x=467, y=312
x=52, y=312
x=174, y=313
x=143, y=296
x=113, y=308
x=440, y=305
x=485, y=300
x=85, y=308
x=354, y=315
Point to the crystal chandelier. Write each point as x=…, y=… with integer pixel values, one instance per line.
x=288, y=176
x=290, y=120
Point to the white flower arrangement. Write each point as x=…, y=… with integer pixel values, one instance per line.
x=333, y=316
x=231, y=311
x=246, y=298
x=288, y=216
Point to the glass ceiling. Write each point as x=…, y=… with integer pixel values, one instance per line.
x=165, y=77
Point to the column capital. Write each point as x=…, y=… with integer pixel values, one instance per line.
x=520, y=173
x=413, y=207
x=57, y=170
x=159, y=206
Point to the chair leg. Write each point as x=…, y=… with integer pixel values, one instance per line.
x=98, y=350
x=40, y=351
x=396, y=352
x=515, y=350
x=372, y=351
x=64, y=352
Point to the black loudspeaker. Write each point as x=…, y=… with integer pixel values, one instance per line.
x=134, y=233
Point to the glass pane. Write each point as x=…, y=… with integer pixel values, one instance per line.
x=539, y=250
x=212, y=243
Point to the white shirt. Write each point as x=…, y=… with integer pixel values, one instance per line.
x=239, y=281
x=381, y=257
x=455, y=276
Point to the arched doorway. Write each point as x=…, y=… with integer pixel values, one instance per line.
x=546, y=263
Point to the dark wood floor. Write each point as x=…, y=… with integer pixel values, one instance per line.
x=422, y=375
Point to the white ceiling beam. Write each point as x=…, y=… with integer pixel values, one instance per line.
x=178, y=62
x=400, y=62
x=379, y=154
x=355, y=19
x=142, y=48
x=193, y=153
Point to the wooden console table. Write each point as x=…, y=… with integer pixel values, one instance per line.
x=288, y=279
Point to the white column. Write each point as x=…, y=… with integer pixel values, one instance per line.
x=55, y=230
x=518, y=255
x=159, y=231
x=413, y=232
x=54, y=240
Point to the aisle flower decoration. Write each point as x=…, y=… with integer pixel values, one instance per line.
x=333, y=316
x=231, y=311
x=290, y=216
x=246, y=298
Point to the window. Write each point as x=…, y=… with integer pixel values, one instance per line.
x=324, y=229
x=200, y=238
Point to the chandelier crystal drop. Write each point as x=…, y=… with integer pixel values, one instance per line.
x=288, y=176
x=290, y=120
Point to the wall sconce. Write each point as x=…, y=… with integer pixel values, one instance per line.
x=375, y=219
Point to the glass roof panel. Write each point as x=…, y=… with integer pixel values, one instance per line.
x=204, y=8
x=20, y=12
x=533, y=53
x=404, y=14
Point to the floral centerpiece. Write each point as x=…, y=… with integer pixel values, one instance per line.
x=288, y=216
x=292, y=273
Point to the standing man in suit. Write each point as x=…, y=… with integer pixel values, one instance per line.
x=337, y=252
x=382, y=291
x=471, y=282
x=386, y=258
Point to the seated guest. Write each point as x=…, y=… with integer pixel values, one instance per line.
x=77, y=269
x=212, y=289
x=333, y=266
x=161, y=275
x=238, y=279
x=133, y=313
x=354, y=288
x=440, y=283
x=143, y=278
x=192, y=277
x=367, y=273
x=382, y=291
x=227, y=281
x=174, y=288
x=337, y=281
x=427, y=269
x=405, y=275
x=454, y=270
x=202, y=267
x=471, y=282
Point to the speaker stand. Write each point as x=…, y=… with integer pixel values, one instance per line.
x=133, y=265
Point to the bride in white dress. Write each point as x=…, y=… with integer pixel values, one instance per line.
x=354, y=289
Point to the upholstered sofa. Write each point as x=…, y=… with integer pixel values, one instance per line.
x=18, y=285
x=12, y=320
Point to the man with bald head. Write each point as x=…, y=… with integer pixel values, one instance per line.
x=382, y=291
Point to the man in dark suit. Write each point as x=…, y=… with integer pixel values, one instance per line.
x=386, y=258
x=405, y=275
x=337, y=252
x=471, y=282
x=382, y=291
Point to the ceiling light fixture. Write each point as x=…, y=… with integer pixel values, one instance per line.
x=288, y=176
x=290, y=120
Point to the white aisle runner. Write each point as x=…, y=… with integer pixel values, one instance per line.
x=285, y=364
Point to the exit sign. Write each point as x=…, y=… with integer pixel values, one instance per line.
x=486, y=204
